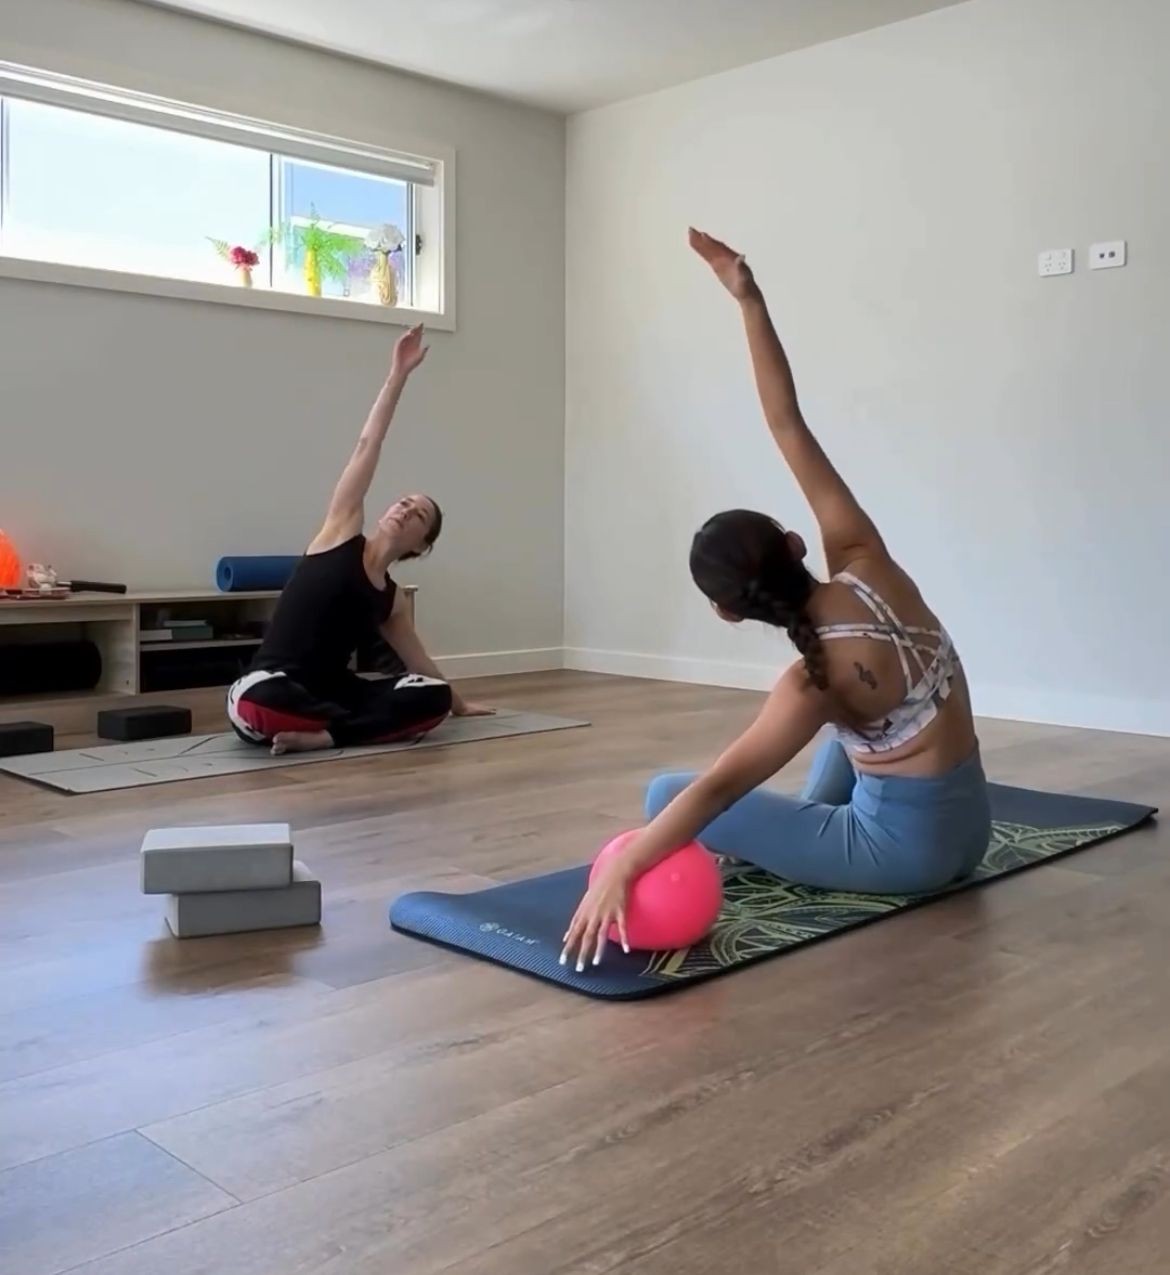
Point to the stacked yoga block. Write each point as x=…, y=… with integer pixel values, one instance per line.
x=228, y=880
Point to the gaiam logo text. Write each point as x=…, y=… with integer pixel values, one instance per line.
x=490, y=927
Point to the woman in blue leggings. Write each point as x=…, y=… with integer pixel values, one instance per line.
x=897, y=799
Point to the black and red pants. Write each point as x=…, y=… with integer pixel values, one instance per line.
x=355, y=710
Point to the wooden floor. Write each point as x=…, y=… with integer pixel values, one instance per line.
x=980, y=1086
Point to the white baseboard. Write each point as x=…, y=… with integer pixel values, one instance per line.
x=670, y=668
x=1087, y=711
x=1016, y=704
x=497, y=663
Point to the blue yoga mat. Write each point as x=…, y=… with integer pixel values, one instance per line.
x=522, y=924
x=241, y=573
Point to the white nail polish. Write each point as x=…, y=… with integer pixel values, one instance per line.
x=564, y=958
x=580, y=967
x=626, y=948
x=597, y=959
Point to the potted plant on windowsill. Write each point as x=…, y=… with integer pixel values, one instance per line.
x=325, y=252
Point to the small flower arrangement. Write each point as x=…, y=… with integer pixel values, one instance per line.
x=243, y=260
x=383, y=241
x=358, y=273
x=385, y=238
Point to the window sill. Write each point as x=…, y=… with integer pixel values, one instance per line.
x=219, y=294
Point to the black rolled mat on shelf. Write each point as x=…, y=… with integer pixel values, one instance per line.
x=521, y=924
x=49, y=668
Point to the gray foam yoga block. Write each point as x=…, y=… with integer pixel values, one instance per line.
x=256, y=856
x=193, y=916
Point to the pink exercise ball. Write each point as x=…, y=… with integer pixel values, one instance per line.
x=673, y=904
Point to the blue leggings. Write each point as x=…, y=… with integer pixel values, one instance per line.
x=854, y=831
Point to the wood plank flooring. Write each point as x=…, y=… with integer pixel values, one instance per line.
x=979, y=1086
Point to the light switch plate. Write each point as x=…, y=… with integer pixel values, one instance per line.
x=1056, y=261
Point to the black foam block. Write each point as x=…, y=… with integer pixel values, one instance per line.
x=147, y=721
x=17, y=738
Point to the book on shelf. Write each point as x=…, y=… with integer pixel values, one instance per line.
x=183, y=633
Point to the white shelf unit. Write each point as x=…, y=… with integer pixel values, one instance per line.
x=114, y=623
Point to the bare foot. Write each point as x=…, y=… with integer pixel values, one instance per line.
x=300, y=741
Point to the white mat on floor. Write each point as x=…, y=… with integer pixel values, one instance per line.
x=164, y=761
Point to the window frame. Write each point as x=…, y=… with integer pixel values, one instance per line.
x=430, y=170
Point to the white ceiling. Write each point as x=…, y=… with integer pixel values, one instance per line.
x=567, y=55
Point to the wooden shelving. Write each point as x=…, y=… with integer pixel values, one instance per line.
x=114, y=623
x=204, y=644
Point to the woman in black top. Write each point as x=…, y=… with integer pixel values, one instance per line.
x=300, y=693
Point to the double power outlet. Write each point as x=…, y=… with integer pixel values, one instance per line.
x=1102, y=256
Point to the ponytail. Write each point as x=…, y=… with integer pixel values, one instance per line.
x=744, y=562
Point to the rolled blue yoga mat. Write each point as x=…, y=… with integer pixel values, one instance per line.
x=241, y=573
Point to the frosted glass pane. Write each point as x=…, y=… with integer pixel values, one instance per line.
x=93, y=191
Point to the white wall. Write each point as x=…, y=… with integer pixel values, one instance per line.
x=1009, y=433
x=144, y=437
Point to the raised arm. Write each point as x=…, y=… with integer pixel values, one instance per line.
x=346, y=513
x=846, y=529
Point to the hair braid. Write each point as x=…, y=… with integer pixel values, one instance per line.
x=765, y=605
x=804, y=636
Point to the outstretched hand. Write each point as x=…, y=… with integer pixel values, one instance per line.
x=730, y=268
x=409, y=352
x=604, y=905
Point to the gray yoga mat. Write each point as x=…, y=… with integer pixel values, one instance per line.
x=166, y=761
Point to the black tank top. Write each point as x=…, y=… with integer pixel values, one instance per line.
x=327, y=608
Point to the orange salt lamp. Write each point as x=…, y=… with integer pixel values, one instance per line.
x=11, y=571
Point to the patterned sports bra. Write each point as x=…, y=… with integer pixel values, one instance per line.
x=931, y=650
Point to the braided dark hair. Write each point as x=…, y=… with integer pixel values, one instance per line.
x=743, y=561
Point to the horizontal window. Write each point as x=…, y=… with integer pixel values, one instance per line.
x=93, y=179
